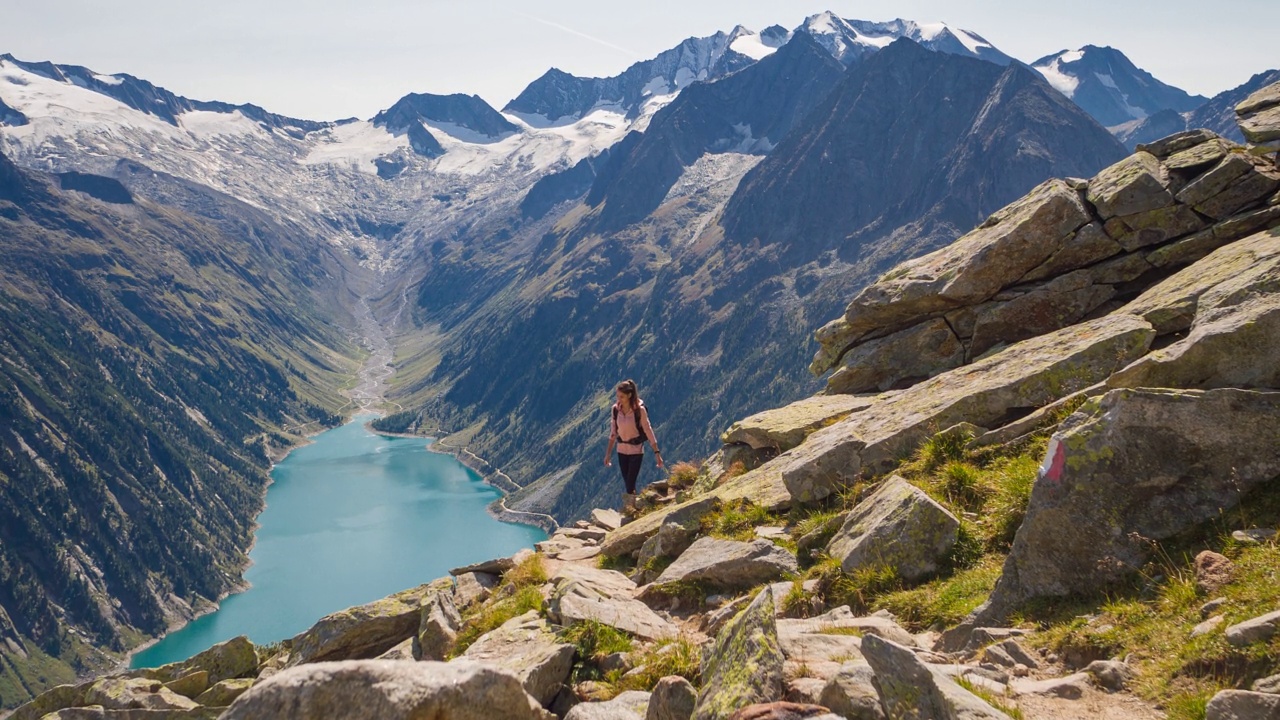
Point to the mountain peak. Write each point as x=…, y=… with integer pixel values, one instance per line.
x=466, y=117
x=1106, y=83
x=851, y=40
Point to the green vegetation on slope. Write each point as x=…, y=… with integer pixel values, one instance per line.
x=150, y=364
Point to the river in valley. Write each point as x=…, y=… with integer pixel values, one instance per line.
x=352, y=517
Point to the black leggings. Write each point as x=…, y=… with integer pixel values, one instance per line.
x=630, y=467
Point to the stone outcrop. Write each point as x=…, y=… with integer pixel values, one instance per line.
x=389, y=690
x=786, y=427
x=673, y=698
x=437, y=628
x=232, y=658
x=1259, y=117
x=367, y=630
x=122, y=693
x=745, y=666
x=852, y=693
x=630, y=705
x=1064, y=252
x=1135, y=466
x=526, y=647
x=605, y=596
x=1027, y=375
x=898, y=526
x=911, y=689
x=1242, y=705
x=730, y=564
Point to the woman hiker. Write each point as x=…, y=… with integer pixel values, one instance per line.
x=631, y=429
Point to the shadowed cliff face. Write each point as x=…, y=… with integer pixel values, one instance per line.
x=711, y=311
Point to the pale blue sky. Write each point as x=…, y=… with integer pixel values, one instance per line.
x=325, y=59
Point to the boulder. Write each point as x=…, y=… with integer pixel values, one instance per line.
x=1177, y=142
x=898, y=526
x=1055, y=304
x=673, y=699
x=225, y=692
x=729, y=564
x=745, y=666
x=1111, y=675
x=894, y=360
x=1197, y=156
x=388, y=690
x=1235, y=333
x=473, y=588
x=1134, y=465
x=1259, y=115
x=631, y=537
x=812, y=644
x=1029, y=374
x=232, y=658
x=191, y=684
x=630, y=705
x=1134, y=185
x=805, y=690
x=526, y=647
x=1250, y=189
x=1243, y=705
x=911, y=689
x=124, y=693
x=1216, y=181
x=605, y=596
x=781, y=710
x=713, y=621
x=1070, y=687
x=1153, y=227
x=786, y=427
x=852, y=693
x=438, y=626
x=1213, y=570
x=671, y=539
x=1207, y=626
x=1088, y=245
x=1248, y=268
x=1254, y=630
x=607, y=519
x=1012, y=242
x=1267, y=685
x=52, y=700
x=366, y=631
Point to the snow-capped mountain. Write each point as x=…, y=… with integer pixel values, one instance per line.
x=852, y=40
x=1110, y=87
x=557, y=97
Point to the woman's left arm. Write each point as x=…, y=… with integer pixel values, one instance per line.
x=648, y=429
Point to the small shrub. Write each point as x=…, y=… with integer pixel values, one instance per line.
x=595, y=640
x=856, y=590
x=944, y=601
x=798, y=602
x=943, y=448
x=530, y=572
x=622, y=563
x=998, y=702
x=669, y=656
x=736, y=521
x=683, y=474
x=492, y=615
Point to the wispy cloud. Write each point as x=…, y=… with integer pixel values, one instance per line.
x=582, y=35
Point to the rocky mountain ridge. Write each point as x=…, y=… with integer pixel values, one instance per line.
x=713, y=561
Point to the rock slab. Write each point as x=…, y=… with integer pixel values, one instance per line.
x=745, y=667
x=898, y=526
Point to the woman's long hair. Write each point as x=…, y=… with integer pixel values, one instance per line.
x=628, y=388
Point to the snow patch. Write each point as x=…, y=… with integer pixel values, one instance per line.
x=1072, y=56
x=205, y=124
x=971, y=42
x=1109, y=82
x=752, y=46
x=108, y=79
x=1054, y=75
x=356, y=145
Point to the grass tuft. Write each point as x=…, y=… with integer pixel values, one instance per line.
x=668, y=656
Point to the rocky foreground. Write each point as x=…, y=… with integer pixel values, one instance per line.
x=1129, y=324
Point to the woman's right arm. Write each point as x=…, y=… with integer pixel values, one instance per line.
x=613, y=440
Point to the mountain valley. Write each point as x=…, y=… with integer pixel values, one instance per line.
x=190, y=288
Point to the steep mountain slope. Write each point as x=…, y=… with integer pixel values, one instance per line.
x=150, y=362
x=1217, y=114
x=710, y=318
x=1110, y=87
x=747, y=112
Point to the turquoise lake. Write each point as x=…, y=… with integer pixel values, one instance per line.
x=351, y=518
